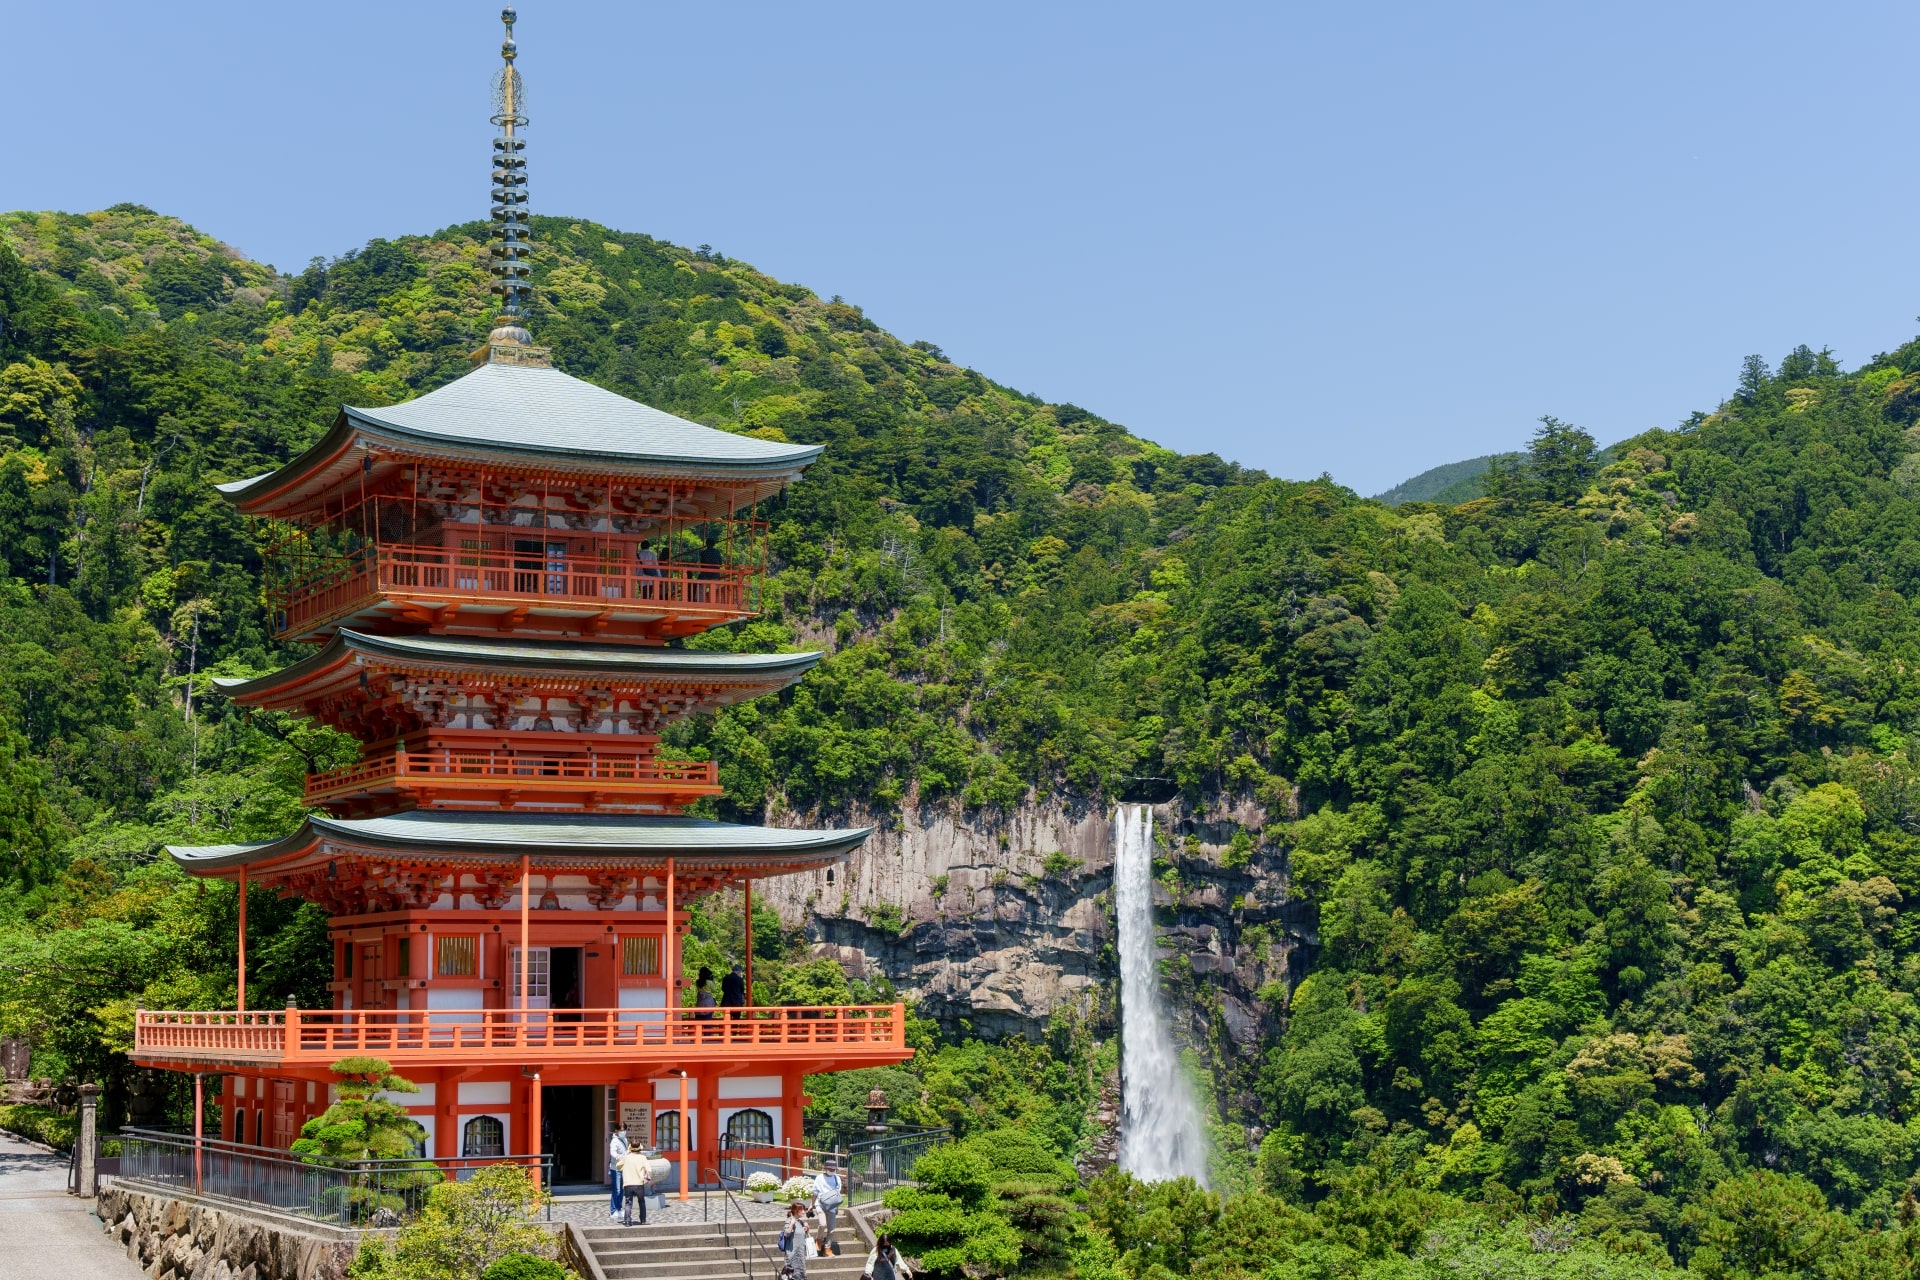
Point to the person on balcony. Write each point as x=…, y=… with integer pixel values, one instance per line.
x=711, y=558
x=649, y=561
x=617, y=1148
x=733, y=990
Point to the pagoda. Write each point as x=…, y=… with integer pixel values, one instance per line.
x=494, y=577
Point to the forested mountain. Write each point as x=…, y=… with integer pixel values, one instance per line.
x=1449, y=483
x=1601, y=790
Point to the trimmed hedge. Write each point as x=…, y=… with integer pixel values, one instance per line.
x=40, y=1124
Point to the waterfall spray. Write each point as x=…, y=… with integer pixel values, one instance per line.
x=1160, y=1133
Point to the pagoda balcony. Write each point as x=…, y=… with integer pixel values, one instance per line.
x=444, y=775
x=843, y=1035
x=573, y=593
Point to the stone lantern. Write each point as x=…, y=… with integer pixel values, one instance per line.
x=876, y=1129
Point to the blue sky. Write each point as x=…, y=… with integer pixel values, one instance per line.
x=1359, y=239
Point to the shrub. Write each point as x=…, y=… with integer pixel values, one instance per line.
x=40, y=1124
x=952, y=1170
x=1020, y=1158
x=525, y=1266
x=465, y=1229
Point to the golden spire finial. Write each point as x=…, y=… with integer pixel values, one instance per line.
x=511, y=230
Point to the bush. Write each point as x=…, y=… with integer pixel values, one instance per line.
x=952, y=1170
x=466, y=1228
x=525, y=1266
x=40, y=1124
x=1017, y=1157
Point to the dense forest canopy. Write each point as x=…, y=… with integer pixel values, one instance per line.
x=1603, y=788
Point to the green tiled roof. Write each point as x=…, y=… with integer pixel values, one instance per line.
x=555, y=656
x=645, y=839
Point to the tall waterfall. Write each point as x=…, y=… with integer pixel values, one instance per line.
x=1160, y=1133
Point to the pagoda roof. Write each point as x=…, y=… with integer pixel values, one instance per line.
x=540, y=418
x=731, y=676
x=556, y=842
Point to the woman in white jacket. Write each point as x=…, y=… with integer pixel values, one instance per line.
x=885, y=1263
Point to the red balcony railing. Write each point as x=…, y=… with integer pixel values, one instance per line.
x=495, y=770
x=586, y=583
x=856, y=1033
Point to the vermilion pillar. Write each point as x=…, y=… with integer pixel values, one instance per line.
x=686, y=1130
x=241, y=999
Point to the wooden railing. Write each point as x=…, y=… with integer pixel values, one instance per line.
x=519, y=577
x=288, y=1036
x=633, y=771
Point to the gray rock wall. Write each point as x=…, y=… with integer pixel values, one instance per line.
x=175, y=1239
x=1002, y=918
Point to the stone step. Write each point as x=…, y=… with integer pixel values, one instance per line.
x=631, y=1269
x=643, y=1250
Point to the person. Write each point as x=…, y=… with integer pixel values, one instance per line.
x=733, y=991
x=793, y=1240
x=617, y=1148
x=884, y=1262
x=649, y=561
x=828, y=1192
x=636, y=1172
x=703, y=994
x=710, y=558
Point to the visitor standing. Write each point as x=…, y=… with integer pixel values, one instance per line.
x=617, y=1148
x=885, y=1262
x=649, y=561
x=637, y=1181
x=793, y=1240
x=733, y=990
x=828, y=1192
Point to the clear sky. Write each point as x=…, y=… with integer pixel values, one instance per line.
x=1362, y=239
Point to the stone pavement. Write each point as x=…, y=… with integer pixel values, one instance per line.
x=44, y=1232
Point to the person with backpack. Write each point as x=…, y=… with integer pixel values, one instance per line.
x=793, y=1240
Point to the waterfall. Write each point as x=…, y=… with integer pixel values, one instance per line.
x=1160, y=1133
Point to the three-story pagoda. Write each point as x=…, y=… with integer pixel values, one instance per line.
x=492, y=576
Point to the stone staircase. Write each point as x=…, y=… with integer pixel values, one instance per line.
x=701, y=1251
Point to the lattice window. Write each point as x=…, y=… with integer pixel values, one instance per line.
x=484, y=1136
x=459, y=955
x=666, y=1131
x=406, y=957
x=640, y=954
x=750, y=1128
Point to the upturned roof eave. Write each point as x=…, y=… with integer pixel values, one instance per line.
x=451, y=838
x=550, y=656
x=770, y=467
x=360, y=427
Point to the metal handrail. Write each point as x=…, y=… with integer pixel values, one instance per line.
x=318, y=1187
x=726, y=1226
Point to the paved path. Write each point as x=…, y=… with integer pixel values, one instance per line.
x=46, y=1232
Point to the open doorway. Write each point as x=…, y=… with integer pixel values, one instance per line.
x=570, y=1134
x=568, y=982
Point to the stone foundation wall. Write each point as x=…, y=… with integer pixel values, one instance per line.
x=175, y=1239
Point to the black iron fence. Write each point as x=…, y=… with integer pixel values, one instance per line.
x=872, y=1161
x=356, y=1193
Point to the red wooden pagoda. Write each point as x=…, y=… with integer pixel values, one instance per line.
x=493, y=575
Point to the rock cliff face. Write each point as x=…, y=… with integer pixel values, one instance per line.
x=1000, y=919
